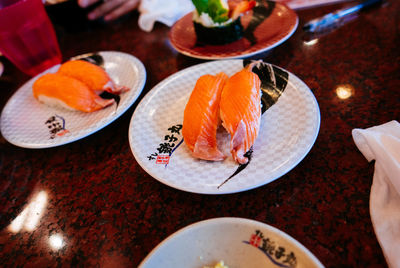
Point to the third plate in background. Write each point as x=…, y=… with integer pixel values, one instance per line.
x=274, y=30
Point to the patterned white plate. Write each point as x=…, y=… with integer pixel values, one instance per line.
x=238, y=242
x=25, y=122
x=288, y=131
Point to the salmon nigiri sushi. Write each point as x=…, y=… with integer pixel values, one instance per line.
x=201, y=117
x=240, y=111
x=95, y=77
x=59, y=90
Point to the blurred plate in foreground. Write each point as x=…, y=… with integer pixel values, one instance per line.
x=238, y=242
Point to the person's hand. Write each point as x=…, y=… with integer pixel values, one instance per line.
x=110, y=9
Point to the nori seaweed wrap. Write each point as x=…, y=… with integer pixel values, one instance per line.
x=218, y=35
x=214, y=22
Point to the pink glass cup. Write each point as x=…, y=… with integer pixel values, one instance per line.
x=27, y=36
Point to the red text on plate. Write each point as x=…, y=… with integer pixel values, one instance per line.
x=162, y=159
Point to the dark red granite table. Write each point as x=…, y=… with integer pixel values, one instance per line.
x=110, y=213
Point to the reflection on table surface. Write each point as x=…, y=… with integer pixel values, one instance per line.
x=90, y=203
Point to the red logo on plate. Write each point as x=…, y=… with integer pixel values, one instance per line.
x=162, y=159
x=255, y=240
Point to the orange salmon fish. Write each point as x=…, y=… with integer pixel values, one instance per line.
x=201, y=117
x=95, y=77
x=240, y=111
x=57, y=89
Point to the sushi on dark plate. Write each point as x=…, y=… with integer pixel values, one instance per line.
x=217, y=23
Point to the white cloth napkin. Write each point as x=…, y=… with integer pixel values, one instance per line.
x=382, y=144
x=164, y=11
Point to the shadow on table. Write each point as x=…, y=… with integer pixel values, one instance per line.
x=71, y=17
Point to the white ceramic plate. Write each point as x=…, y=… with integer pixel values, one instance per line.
x=288, y=131
x=238, y=242
x=25, y=122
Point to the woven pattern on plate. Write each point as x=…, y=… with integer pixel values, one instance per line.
x=288, y=131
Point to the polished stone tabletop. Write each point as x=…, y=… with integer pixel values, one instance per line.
x=89, y=203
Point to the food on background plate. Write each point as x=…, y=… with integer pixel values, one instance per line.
x=92, y=75
x=56, y=89
x=240, y=111
x=77, y=85
x=201, y=117
x=236, y=101
x=218, y=265
x=216, y=22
